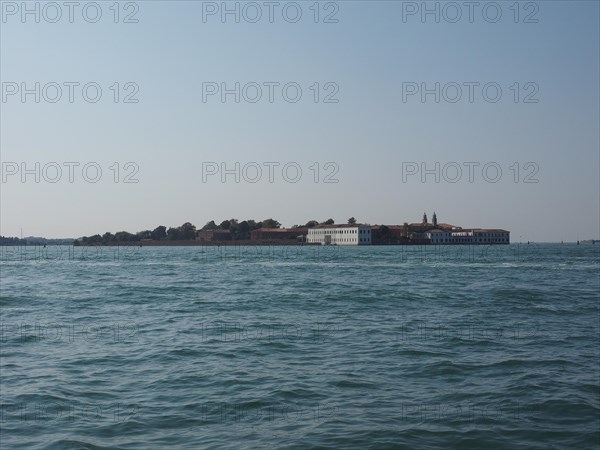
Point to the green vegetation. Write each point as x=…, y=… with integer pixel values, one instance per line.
x=32, y=240
x=4, y=240
x=187, y=232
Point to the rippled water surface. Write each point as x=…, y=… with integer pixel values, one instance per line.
x=300, y=347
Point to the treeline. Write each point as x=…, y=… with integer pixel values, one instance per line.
x=32, y=240
x=187, y=231
x=5, y=240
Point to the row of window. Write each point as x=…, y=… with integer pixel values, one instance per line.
x=468, y=239
x=476, y=235
x=336, y=240
x=348, y=231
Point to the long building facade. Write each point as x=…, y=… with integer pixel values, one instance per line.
x=443, y=233
x=473, y=236
x=263, y=234
x=339, y=235
x=424, y=232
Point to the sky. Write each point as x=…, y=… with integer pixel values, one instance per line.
x=150, y=114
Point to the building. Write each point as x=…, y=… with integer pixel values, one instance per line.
x=445, y=233
x=346, y=234
x=438, y=236
x=270, y=234
x=213, y=235
x=389, y=235
x=469, y=236
x=421, y=233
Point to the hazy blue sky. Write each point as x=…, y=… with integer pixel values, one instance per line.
x=369, y=133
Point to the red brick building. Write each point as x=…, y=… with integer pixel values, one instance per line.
x=271, y=234
x=213, y=235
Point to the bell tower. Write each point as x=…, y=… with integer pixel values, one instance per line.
x=424, y=221
x=434, y=220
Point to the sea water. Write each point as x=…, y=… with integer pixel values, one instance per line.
x=300, y=347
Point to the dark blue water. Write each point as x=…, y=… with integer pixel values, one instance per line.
x=290, y=347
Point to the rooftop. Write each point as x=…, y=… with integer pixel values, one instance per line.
x=281, y=230
x=342, y=225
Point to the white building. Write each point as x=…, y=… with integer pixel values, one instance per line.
x=469, y=236
x=439, y=236
x=339, y=235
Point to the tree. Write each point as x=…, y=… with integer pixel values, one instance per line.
x=405, y=229
x=146, y=234
x=352, y=221
x=124, y=236
x=225, y=225
x=95, y=239
x=173, y=234
x=270, y=223
x=159, y=233
x=5, y=240
x=383, y=235
x=107, y=237
x=241, y=230
x=311, y=223
x=210, y=226
x=187, y=232
x=328, y=222
x=233, y=226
